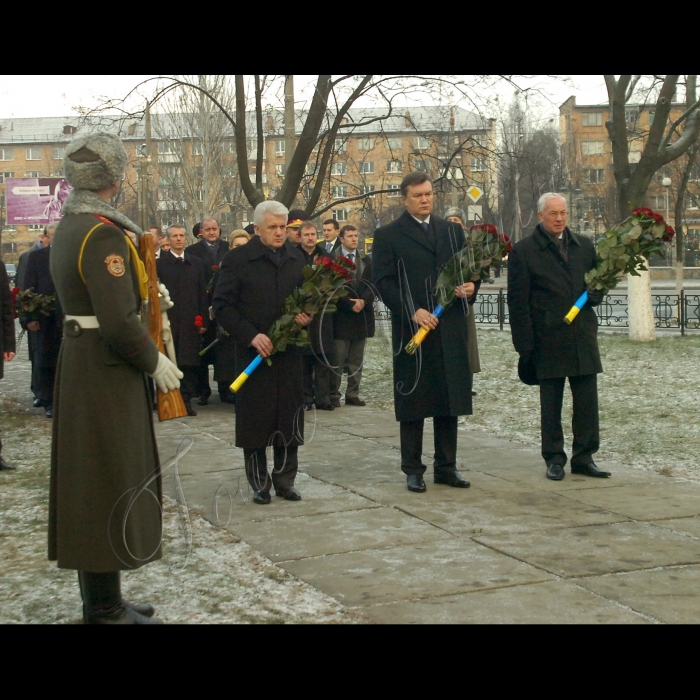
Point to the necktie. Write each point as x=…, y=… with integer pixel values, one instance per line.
x=424, y=226
x=181, y=261
x=351, y=257
x=329, y=247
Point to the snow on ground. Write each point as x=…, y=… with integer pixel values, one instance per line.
x=206, y=576
x=649, y=398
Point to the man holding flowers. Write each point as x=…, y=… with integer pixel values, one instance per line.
x=254, y=282
x=545, y=277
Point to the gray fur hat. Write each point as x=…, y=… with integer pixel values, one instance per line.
x=456, y=211
x=94, y=161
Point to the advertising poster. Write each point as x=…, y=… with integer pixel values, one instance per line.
x=32, y=200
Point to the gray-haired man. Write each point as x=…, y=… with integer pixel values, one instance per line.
x=254, y=282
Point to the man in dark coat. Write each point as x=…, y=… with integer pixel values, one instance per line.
x=353, y=321
x=105, y=492
x=545, y=277
x=313, y=355
x=7, y=337
x=407, y=256
x=255, y=279
x=211, y=250
x=45, y=333
x=331, y=230
x=185, y=277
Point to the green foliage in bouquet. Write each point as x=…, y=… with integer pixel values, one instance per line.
x=33, y=306
x=627, y=246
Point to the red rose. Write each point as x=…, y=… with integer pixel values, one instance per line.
x=644, y=211
x=215, y=267
x=198, y=321
x=656, y=216
x=324, y=261
x=504, y=238
x=346, y=261
x=670, y=233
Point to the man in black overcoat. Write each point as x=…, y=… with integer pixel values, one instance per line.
x=255, y=279
x=7, y=336
x=545, y=277
x=211, y=250
x=185, y=278
x=353, y=322
x=407, y=256
x=46, y=333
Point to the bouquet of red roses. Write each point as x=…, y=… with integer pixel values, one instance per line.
x=324, y=283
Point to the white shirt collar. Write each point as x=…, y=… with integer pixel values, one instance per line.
x=348, y=252
x=427, y=220
x=176, y=255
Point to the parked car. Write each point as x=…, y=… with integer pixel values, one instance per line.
x=11, y=273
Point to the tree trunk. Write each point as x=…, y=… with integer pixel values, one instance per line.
x=639, y=308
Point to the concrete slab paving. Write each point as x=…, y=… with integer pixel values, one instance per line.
x=332, y=533
x=438, y=568
x=550, y=602
x=669, y=595
x=598, y=549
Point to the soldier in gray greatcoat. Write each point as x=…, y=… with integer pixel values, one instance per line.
x=104, y=502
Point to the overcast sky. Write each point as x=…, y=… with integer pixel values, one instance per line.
x=58, y=95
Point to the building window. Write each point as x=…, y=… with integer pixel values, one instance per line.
x=280, y=147
x=592, y=148
x=228, y=147
x=340, y=191
x=197, y=148
x=340, y=214
x=631, y=115
x=423, y=165
x=477, y=165
x=341, y=146
x=59, y=152
x=311, y=168
x=367, y=168
x=394, y=190
x=365, y=144
x=658, y=202
x=478, y=140
x=339, y=169
x=33, y=173
x=592, y=119
x=33, y=154
x=280, y=169
x=5, y=176
x=421, y=143
x=8, y=248
x=651, y=117
x=394, y=166
x=200, y=195
x=394, y=143
x=57, y=173
x=164, y=194
x=7, y=153
x=36, y=227
x=164, y=147
x=592, y=176
x=367, y=189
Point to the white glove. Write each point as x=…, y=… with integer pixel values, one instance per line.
x=166, y=375
x=165, y=301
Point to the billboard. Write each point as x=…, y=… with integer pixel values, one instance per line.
x=35, y=200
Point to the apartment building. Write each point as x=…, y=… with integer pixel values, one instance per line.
x=586, y=153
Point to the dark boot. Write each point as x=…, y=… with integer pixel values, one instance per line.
x=103, y=604
x=142, y=609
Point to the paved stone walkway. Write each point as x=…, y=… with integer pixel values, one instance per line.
x=514, y=547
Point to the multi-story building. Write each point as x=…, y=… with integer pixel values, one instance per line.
x=588, y=166
x=193, y=167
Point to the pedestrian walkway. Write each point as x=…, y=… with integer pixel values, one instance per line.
x=515, y=547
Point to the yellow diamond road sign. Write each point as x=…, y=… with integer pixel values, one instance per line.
x=475, y=193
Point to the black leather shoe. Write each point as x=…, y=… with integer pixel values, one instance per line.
x=262, y=498
x=144, y=609
x=350, y=401
x=49, y=412
x=290, y=494
x=203, y=401
x=589, y=469
x=415, y=483
x=6, y=465
x=555, y=472
x=38, y=403
x=325, y=407
x=120, y=614
x=451, y=479
x=190, y=410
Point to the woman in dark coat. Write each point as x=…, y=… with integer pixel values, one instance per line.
x=255, y=279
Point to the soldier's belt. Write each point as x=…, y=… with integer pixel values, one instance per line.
x=84, y=321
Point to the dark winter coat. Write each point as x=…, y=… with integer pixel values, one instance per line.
x=220, y=355
x=406, y=267
x=187, y=285
x=7, y=337
x=249, y=297
x=47, y=340
x=542, y=288
x=22, y=265
x=348, y=325
x=103, y=451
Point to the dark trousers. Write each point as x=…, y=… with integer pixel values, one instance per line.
x=444, y=440
x=44, y=378
x=322, y=376
x=189, y=382
x=283, y=473
x=308, y=362
x=202, y=388
x=584, y=390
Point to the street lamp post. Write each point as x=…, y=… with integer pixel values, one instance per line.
x=666, y=182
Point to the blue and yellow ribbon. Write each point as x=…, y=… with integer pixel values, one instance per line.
x=243, y=376
x=573, y=312
x=419, y=337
